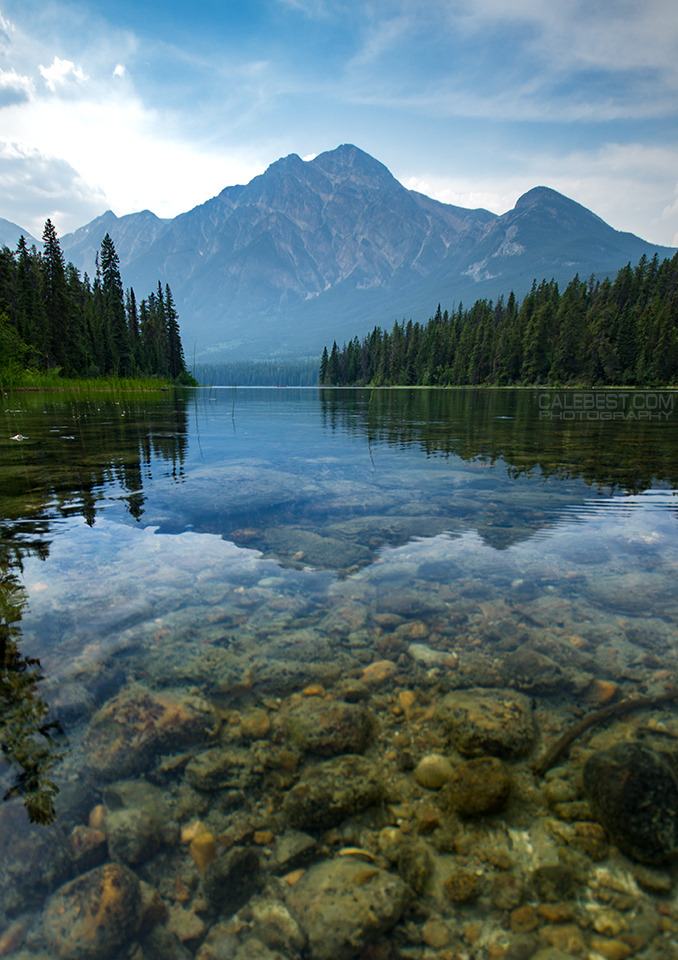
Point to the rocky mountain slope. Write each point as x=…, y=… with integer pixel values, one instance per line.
x=316, y=250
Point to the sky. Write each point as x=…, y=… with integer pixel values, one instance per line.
x=159, y=104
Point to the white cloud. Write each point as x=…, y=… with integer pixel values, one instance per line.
x=625, y=184
x=14, y=88
x=61, y=73
x=36, y=185
x=119, y=70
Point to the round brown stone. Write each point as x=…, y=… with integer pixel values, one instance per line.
x=91, y=917
x=479, y=787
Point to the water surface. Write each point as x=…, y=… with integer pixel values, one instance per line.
x=261, y=545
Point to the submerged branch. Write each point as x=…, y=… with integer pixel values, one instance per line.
x=599, y=716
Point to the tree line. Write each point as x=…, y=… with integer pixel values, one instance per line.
x=51, y=317
x=619, y=332
x=258, y=373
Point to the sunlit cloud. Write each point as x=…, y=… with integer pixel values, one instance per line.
x=61, y=73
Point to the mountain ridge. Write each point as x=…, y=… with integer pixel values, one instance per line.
x=315, y=250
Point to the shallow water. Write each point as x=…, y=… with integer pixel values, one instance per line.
x=264, y=548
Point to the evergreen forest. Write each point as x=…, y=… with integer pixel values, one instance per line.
x=621, y=331
x=258, y=373
x=51, y=318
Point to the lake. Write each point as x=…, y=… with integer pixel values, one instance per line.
x=285, y=672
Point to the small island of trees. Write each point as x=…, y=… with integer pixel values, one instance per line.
x=621, y=332
x=54, y=320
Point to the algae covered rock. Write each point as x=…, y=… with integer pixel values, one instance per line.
x=328, y=727
x=477, y=787
x=127, y=734
x=488, y=722
x=634, y=792
x=91, y=917
x=331, y=791
x=221, y=767
x=344, y=905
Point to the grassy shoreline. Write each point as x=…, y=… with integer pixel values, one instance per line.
x=38, y=381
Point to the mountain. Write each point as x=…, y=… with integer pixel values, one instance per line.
x=10, y=233
x=310, y=251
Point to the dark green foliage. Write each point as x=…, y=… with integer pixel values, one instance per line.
x=53, y=318
x=621, y=332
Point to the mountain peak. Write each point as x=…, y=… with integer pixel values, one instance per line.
x=557, y=205
x=348, y=161
x=539, y=195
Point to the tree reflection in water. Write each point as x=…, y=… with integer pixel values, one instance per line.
x=30, y=743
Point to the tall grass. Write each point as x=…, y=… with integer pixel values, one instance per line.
x=15, y=378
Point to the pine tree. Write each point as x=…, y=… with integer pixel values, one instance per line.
x=114, y=319
x=60, y=341
x=175, y=351
x=322, y=372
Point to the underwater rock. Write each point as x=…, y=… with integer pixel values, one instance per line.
x=484, y=722
x=127, y=733
x=230, y=880
x=132, y=835
x=328, y=727
x=292, y=850
x=533, y=672
x=636, y=591
x=344, y=905
x=433, y=771
x=464, y=885
x=87, y=847
x=34, y=861
x=221, y=768
x=309, y=547
x=478, y=787
x=634, y=792
x=91, y=917
x=274, y=925
x=415, y=864
x=329, y=792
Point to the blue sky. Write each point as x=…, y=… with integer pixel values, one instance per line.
x=134, y=104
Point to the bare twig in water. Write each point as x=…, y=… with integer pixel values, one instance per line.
x=600, y=716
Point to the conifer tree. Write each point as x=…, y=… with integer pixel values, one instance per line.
x=114, y=321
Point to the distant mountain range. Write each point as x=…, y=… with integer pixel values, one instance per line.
x=312, y=251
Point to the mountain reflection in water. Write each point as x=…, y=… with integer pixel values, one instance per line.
x=270, y=618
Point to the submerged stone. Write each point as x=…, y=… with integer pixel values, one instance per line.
x=132, y=729
x=332, y=791
x=34, y=860
x=479, y=787
x=93, y=916
x=230, y=880
x=433, y=771
x=342, y=906
x=634, y=792
x=221, y=767
x=484, y=722
x=329, y=727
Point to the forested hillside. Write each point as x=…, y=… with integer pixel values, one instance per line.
x=258, y=373
x=620, y=331
x=52, y=318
